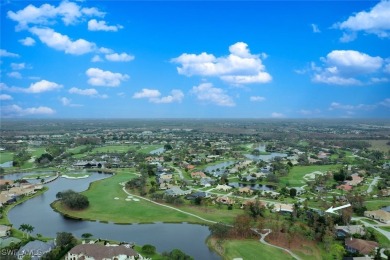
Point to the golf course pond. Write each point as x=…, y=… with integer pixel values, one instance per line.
x=190, y=238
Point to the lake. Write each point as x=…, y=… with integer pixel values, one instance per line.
x=6, y=164
x=220, y=166
x=189, y=238
x=252, y=186
x=158, y=151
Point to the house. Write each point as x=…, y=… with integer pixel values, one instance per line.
x=36, y=249
x=198, y=175
x=5, y=231
x=224, y=200
x=380, y=215
x=206, y=182
x=361, y=246
x=356, y=179
x=344, y=231
x=7, y=241
x=200, y=194
x=245, y=190
x=384, y=192
x=345, y=187
x=102, y=252
x=176, y=191
x=282, y=208
x=223, y=187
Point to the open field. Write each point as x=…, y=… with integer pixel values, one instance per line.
x=295, y=177
x=379, y=145
x=376, y=204
x=6, y=157
x=125, y=148
x=252, y=249
x=105, y=192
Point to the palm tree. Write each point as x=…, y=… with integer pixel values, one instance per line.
x=29, y=229
x=23, y=227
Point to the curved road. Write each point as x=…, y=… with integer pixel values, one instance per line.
x=262, y=236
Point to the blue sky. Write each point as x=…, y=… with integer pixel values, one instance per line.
x=256, y=59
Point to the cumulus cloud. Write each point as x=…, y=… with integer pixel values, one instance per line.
x=154, y=96
x=347, y=67
x=98, y=77
x=5, y=53
x=69, y=13
x=17, y=111
x=315, y=28
x=206, y=92
x=94, y=25
x=5, y=97
x=62, y=42
x=14, y=74
x=42, y=86
x=256, y=99
x=119, y=57
x=375, y=21
x=96, y=58
x=91, y=92
x=28, y=41
x=239, y=67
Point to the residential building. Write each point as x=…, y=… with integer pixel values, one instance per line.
x=102, y=252
x=361, y=246
x=36, y=249
x=380, y=215
x=345, y=231
x=5, y=230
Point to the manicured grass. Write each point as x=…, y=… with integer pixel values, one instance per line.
x=369, y=221
x=6, y=157
x=104, y=206
x=386, y=228
x=37, y=151
x=382, y=240
x=376, y=204
x=252, y=249
x=295, y=177
x=112, y=149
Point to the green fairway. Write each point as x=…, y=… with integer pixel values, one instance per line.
x=125, y=148
x=252, y=249
x=6, y=157
x=295, y=177
x=108, y=203
x=376, y=204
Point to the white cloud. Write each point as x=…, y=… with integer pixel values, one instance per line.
x=277, y=115
x=91, y=92
x=96, y=58
x=387, y=68
x=14, y=74
x=18, y=66
x=154, y=96
x=315, y=28
x=119, y=57
x=239, y=67
x=147, y=93
x=385, y=102
x=339, y=106
x=94, y=25
x=17, y=111
x=28, y=41
x=42, y=86
x=5, y=97
x=5, y=53
x=105, y=50
x=69, y=12
x=98, y=77
x=347, y=67
x=68, y=102
x=256, y=99
x=62, y=42
x=208, y=93
x=376, y=21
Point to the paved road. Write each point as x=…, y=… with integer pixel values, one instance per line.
x=373, y=183
x=375, y=226
x=262, y=237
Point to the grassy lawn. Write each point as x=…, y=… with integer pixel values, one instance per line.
x=295, y=177
x=6, y=157
x=37, y=151
x=112, y=149
x=386, y=228
x=376, y=204
x=252, y=249
x=382, y=240
x=104, y=206
x=369, y=221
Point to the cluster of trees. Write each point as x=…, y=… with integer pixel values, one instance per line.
x=73, y=200
x=21, y=157
x=64, y=242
